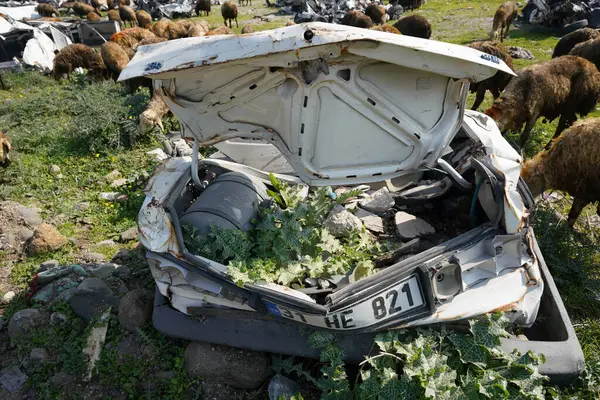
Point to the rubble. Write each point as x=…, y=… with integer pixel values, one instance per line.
x=409, y=227
x=331, y=11
x=91, y=298
x=135, y=309
x=563, y=16
x=341, y=221
x=13, y=379
x=25, y=320
x=8, y=297
x=371, y=221
x=519, y=52
x=282, y=387
x=379, y=202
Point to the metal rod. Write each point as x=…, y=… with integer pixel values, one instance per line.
x=195, y=177
x=454, y=175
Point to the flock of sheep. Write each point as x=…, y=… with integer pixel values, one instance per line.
x=565, y=87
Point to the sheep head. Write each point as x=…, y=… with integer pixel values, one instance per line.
x=148, y=120
x=507, y=116
x=5, y=148
x=533, y=174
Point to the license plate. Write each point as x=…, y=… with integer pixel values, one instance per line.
x=391, y=303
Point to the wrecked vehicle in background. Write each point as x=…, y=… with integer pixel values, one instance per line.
x=345, y=108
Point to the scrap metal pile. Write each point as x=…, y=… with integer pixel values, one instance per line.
x=331, y=11
x=566, y=15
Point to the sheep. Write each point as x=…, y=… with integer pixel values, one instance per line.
x=113, y=15
x=128, y=38
x=357, y=19
x=229, y=12
x=570, y=164
x=589, y=50
x=202, y=5
x=414, y=25
x=502, y=19
x=247, y=29
x=242, y=2
x=124, y=2
x=496, y=83
x=144, y=19
x=562, y=87
x=82, y=10
x=78, y=55
x=2, y=85
x=110, y=4
x=570, y=40
x=115, y=58
x=93, y=17
x=5, y=149
x=95, y=4
x=149, y=40
x=188, y=28
x=127, y=15
x=46, y=10
x=290, y=23
x=177, y=30
x=221, y=30
x=410, y=4
x=153, y=114
x=386, y=28
x=377, y=13
x=160, y=28
x=199, y=28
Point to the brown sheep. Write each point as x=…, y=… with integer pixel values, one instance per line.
x=188, y=28
x=562, y=87
x=570, y=40
x=229, y=12
x=496, y=83
x=115, y=58
x=127, y=15
x=2, y=85
x=358, y=19
x=377, y=13
x=414, y=25
x=144, y=19
x=410, y=4
x=124, y=2
x=129, y=38
x=78, y=55
x=247, y=29
x=46, y=10
x=82, y=10
x=385, y=28
x=154, y=113
x=150, y=40
x=221, y=30
x=160, y=28
x=202, y=5
x=178, y=29
x=5, y=149
x=110, y=4
x=113, y=15
x=93, y=17
x=502, y=20
x=589, y=50
x=95, y=4
x=290, y=23
x=199, y=28
x=571, y=164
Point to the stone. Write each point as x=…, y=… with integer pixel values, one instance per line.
x=83, y=206
x=60, y=380
x=108, y=242
x=131, y=346
x=103, y=271
x=159, y=154
x=36, y=360
x=242, y=369
x=78, y=270
x=30, y=216
x=129, y=234
x=54, y=170
x=340, y=221
x=379, y=202
x=122, y=272
x=25, y=234
x=50, y=292
x=116, y=285
x=118, y=183
x=13, y=379
x=91, y=298
x=48, y=265
x=93, y=257
x=519, y=52
x=25, y=320
x=182, y=149
x=371, y=221
x=112, y=176
x=8, y=297
x=46, y=239
x=408, y=226
x=109, y=196
x=280, y=386
x=135, y=309
x=57, y=318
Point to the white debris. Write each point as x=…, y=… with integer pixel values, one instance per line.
x=409, y=226
x=379, y=202
x=340, y=221
x=159, y=154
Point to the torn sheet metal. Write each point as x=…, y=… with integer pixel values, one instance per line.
x=60, y=39
x=39, y=51
x=178, y=9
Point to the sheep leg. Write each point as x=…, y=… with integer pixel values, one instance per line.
x=479, y=97
x=526, y=132
x=502, y=34
x=2, y=85
x=225, y=20
x=563, y=123
x=576, y=209
x=236, y=23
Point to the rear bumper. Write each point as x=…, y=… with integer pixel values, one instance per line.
x=552, y=334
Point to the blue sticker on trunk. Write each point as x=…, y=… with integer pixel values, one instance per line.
x=272, y=308
x=153, y=66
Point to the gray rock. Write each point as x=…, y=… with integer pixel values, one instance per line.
x=13, y=379
x=83, y=206
x=159, y=154
x=118, y=183
x=182, y=148
x=51, y=291
x=122, y=272
x=109, y=196
x=57, y=318
x=54, y=170
x=129, y=234
x=135, y=309
x=112, y=175
x=25, y=234
x=372, y=222
x=30, y=216
x=519, y=52
x=340, y=221
x=36, y=360
x=8, y=297
x=408, y=226
x=104, y=270
x=116, y=285
x=93, y=257
x=241, y=369
x=48, y=265
x=379, y=202
x=60, y=380
x=25, y=320
x=280, y=386
x=131, y=346
x=91, y=298
x=106, y=243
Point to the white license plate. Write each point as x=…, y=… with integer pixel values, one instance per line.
x=392, y=303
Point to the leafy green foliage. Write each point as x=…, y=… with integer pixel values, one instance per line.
x=288, y=241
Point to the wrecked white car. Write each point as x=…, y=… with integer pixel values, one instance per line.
x=340, y=107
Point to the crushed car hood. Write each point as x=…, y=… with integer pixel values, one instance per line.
x=402, y=98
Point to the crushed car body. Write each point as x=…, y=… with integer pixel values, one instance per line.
x=347, y=108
